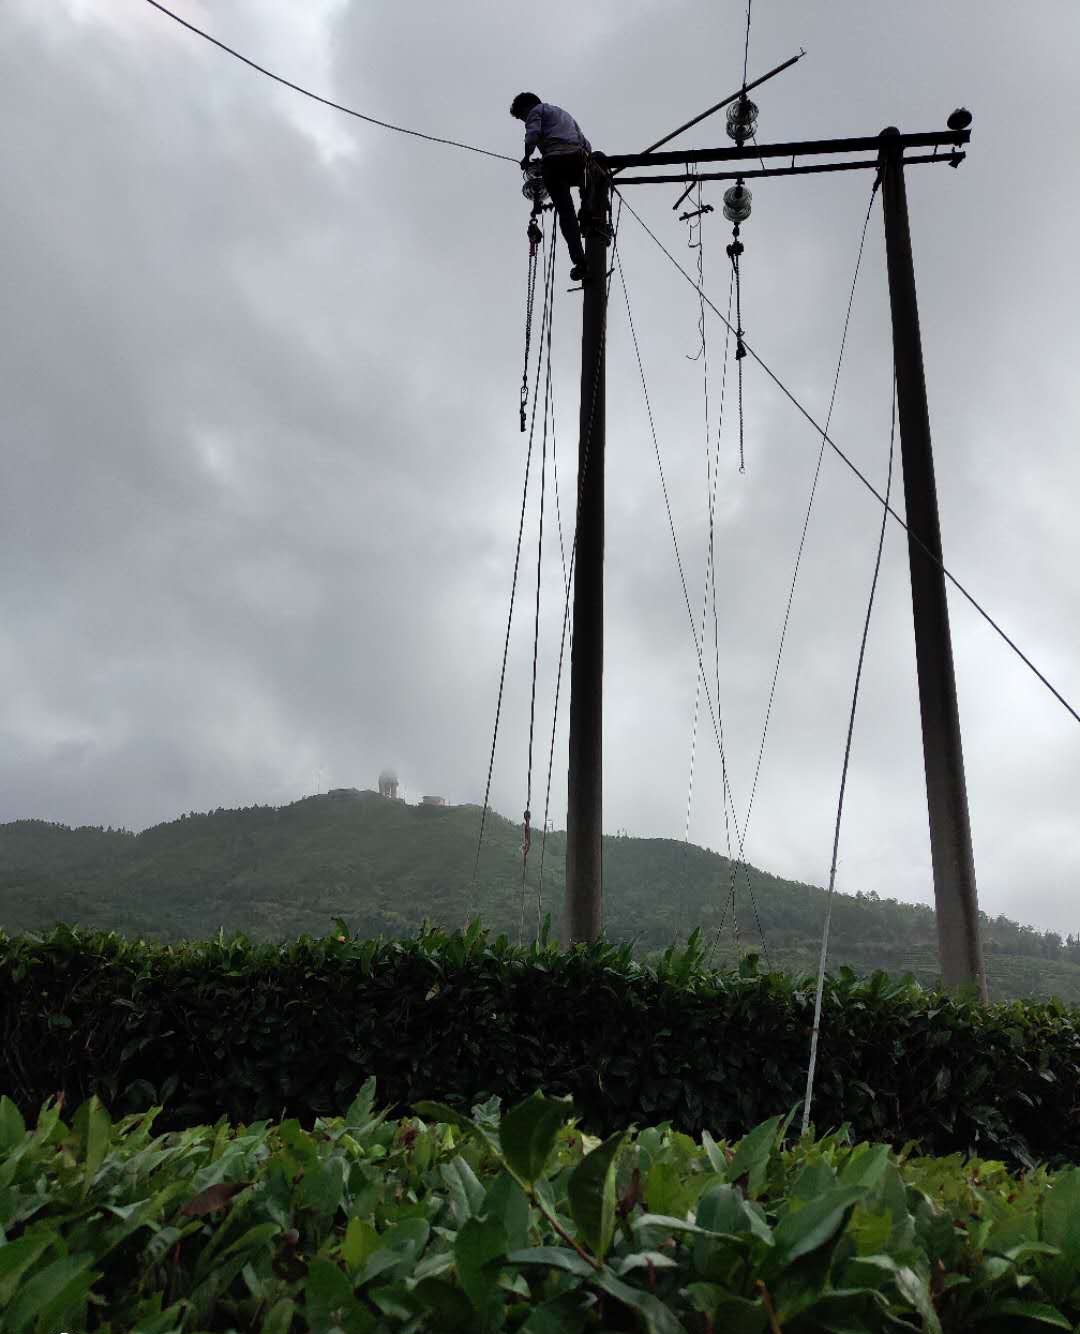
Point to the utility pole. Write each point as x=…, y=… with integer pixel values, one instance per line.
x=950, y=832
x=955, y=896
x=585, y=776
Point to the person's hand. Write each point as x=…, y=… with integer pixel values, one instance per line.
x=524, y=164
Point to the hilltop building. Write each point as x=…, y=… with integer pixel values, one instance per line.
x=388, y=785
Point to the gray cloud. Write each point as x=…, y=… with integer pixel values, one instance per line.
x=261, y=466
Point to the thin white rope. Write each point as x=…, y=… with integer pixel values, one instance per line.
x=815, y=1034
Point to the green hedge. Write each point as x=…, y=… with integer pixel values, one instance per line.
x=485, y=1223
x=258, y=1031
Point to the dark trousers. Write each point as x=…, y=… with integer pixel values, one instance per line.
x=561, y=173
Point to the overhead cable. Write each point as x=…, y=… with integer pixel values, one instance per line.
x=714, y=712
x=819, y=430
x=806, y=518
x=326, y=101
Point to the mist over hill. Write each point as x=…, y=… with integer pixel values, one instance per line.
x=385, y=866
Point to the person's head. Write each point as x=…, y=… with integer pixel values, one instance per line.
x=523, y=104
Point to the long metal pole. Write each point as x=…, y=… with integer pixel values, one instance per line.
x=585, y=777
x=955, y=895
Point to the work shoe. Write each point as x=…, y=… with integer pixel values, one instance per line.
x=579, y=273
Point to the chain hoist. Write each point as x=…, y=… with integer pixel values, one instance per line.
x=534, y=190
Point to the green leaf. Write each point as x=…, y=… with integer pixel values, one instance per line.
x=625, y=1264
x=806, y=1229
x=280, y=1317
x=656, y=1317
x=915, y=1289
x=478, y=1243
x=555, y=1257
x=565, y=1314
x=95, y=1130
x=528, y=1132
x=591, y=1195
x=731, y=1314
x=1012, y=1309
x=254, y=1237
x=506, y=1201
x=717, y=1161
x=720, y=1209
x=329, y=1300
x=16, y=1257
x=360, y=1241
x=1061, y=1215
x=50, y=1293
x=449, y=1304
x=172, y=1321
x=443, y=1112
x=322, y=1187
x=866, y=1166
x=752, y=1155
x=12, y=1125
x=362, y=1105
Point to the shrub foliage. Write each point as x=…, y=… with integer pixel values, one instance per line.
x=446, y=1222
x=262, y=1031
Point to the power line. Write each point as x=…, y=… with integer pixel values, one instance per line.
x=843, y=778
x=713, y=712
x=806, y=519
x=819, y=430
x=326, y=102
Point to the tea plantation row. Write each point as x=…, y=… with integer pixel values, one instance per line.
x=263, y=1031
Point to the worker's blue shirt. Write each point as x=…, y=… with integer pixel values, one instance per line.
x=554, y=130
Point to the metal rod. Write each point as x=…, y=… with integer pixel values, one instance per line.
x=585, y=790
x=955, y=893
x=861, y=165
x=726, y=102
x=809, y=148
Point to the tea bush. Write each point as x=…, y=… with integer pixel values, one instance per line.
x=256, y=1031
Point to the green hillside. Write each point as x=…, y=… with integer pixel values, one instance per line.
x=385, y=866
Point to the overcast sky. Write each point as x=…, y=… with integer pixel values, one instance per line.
x=261, y=466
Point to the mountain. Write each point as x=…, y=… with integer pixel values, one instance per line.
x=384, y=866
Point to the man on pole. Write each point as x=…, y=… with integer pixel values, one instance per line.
x=564, y=152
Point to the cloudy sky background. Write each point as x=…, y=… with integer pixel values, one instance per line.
x=261, y=465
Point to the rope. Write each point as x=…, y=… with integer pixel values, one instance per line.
x=703, y=355
x=712, y=469
x=513, y=594
x=682, y=574
x=549, y=300
x=843, y=780
x=746, y=47
x=806, y=519
x=854, y=468
x=326, y=102
x=535, y=235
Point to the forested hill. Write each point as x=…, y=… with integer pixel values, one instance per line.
x=384, y=866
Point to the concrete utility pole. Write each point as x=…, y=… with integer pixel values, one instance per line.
x=585, y=776
x=956, y=899
x=950, y=832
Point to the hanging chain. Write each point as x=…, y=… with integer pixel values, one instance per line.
x=535, y=236
x=735, y=250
